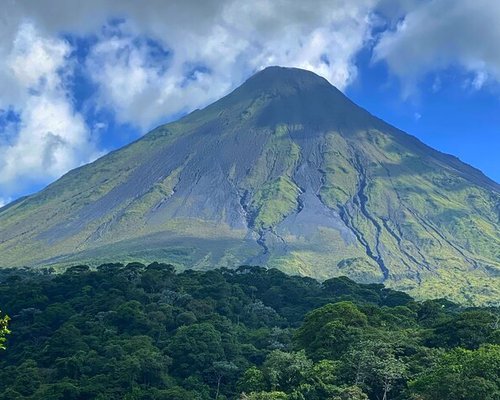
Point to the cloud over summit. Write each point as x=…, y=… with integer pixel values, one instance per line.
x=70, y=69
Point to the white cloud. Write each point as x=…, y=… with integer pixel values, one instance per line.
x=442, y=33
x=142, y=90
x=34, y=61
x=219, y=42
x=50, y=137
x=323, y=37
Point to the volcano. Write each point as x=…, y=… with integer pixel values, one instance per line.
x=283, y=172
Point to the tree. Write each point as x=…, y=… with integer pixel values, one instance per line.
x=461, y=374
x=327, y=331
x=286, y=370
x=469, y=330
x=222, y=369
x=194, y=349
x=376, y=366
x=147, y=333
x=265, y=396
x=292, y=374
x=4, y=331
x=351, y=393
x=253, y=380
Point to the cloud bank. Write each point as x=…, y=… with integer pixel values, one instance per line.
x=435, y=35
x=42, y=135
x=145, y=62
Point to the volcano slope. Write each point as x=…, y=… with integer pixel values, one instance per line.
x=283, y=172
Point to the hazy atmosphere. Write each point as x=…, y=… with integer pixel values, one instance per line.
x=79, y=79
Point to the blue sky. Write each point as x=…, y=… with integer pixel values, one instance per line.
x=96, y=76
x=454, y=118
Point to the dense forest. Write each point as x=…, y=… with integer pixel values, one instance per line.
x=139, y=332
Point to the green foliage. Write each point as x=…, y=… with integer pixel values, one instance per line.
x=140, y=332
x=468, y=330
x=195, y=348
x=4, y=322
x=327, y=331
x=351, y=393
x=376, y=365
x=266, y=396
x=461, y=375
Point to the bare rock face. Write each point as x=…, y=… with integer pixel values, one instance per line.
x=285, y=172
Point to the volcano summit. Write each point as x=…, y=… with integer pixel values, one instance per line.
x=285, y=172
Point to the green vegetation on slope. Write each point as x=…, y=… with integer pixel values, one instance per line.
x=139, y=332
x=273, y=202
x=340, y=177
x=409, y=210
x=273, y=192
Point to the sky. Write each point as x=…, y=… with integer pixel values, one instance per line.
x=81, y=78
